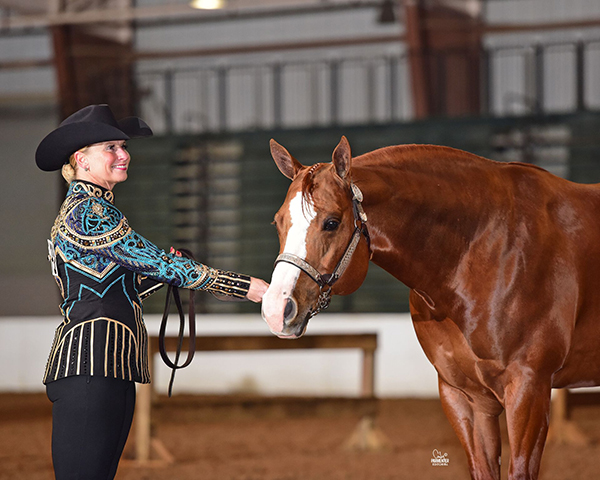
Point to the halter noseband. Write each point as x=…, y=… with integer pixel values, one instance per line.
x=326, y=281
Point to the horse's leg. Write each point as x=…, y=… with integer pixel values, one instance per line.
x=478, y=430
x=527, y=406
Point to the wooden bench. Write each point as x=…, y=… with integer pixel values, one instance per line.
x=365, y=436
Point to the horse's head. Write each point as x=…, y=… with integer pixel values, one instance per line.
x=323, y=242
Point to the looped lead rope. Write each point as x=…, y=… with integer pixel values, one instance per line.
x=174, y=292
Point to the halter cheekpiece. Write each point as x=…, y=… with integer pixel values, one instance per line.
x=326, y=281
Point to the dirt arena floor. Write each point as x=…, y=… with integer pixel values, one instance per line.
x=282, y=439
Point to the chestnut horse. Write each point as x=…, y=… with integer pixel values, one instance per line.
x=503, y=265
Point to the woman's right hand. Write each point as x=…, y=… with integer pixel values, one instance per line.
x=258, y=288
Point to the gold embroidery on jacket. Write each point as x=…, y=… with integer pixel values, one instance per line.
x=61, y=351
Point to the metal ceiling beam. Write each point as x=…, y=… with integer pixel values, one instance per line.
x=168, y=14
x=176, y=13
x=226, y=15
x=25, y=6
x=536, y=27
x=269, y=47
x=36, y=14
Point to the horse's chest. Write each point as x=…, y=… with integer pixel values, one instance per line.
x=582, y=364
x=454, y=359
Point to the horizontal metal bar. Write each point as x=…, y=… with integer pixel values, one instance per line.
x=269, y=47
x=21, y=64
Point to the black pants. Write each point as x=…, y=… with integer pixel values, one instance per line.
x=91, y=417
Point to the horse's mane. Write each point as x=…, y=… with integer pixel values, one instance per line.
x=432, y=153
x=418, y=158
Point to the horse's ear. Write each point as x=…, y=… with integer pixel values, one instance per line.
x=287, y=164
x=342, y=158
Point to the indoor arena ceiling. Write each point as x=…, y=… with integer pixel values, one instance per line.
x=19, y=14
x=16, y=14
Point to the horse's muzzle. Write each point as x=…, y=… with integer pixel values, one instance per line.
x=290, y=312
x=292, y=324
x=293, y=327
x=281, y=314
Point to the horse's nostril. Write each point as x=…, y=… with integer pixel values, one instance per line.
x=291, y=309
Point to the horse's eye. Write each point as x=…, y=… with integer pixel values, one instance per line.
x=330, y=225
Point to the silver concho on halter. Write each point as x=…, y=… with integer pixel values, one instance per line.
x=357, y=196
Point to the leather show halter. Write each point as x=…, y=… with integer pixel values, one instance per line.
x=174, y=292
x=326, y=281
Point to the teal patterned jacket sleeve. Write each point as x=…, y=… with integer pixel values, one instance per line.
x=98, y=229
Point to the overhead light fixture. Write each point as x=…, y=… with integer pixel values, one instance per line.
x=207, y=4
x=387, y=12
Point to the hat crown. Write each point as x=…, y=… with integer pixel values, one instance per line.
x=92, y=113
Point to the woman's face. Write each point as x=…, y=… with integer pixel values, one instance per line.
x=104, y=164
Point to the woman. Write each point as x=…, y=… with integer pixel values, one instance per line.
x=104, y=269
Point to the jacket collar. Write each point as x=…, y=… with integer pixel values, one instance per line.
x=91, y=189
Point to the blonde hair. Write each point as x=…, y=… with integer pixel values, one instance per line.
x=69, y=170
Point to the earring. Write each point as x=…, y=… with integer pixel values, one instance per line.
x=87, y=169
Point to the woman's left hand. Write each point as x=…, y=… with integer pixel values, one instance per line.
x=258, y=288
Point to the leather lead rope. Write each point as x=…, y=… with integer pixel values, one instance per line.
x=174, y=292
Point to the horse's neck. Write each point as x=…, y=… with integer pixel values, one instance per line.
x=422, y=220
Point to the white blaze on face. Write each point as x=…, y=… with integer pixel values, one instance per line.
x=285, y=275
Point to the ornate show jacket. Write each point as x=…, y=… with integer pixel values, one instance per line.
x=104, y=269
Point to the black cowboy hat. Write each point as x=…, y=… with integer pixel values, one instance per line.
x=91, y=124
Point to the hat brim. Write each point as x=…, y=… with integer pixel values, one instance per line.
x=56, y=148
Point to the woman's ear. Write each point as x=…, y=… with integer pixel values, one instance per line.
x=82, y=160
